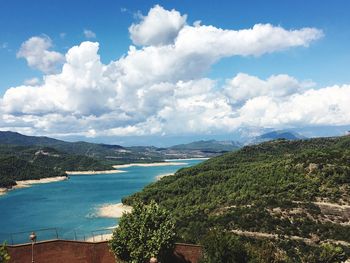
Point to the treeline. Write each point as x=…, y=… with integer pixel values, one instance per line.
x=25, y=163
x=240, y=190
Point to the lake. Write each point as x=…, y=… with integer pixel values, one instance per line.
x=69, y=208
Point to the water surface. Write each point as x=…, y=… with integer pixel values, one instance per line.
x=70, y=206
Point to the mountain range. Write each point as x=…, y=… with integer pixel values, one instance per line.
x=31, y=157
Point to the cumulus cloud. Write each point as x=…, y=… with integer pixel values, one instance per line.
x=80, y=88
x=325, y=106
x=244, y=87
x=36, y=51
x=159, y=27
x=32, y=82
x=89, y=34
x=161, y=88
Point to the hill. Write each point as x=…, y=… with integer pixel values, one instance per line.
x=116, y=154
x=212, y=146
x=13, y=169
x=199, y=149
x=30, y=157
x=296, y=194
x=35, y=162
x=15, y=138
x=280, y=134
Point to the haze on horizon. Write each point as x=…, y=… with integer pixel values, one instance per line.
x=165, y=71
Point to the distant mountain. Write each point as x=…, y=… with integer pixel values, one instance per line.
x=198, y=149
x=282, y=135
x=274, y=135
x=208, y=146
x=116, y=153
x=31, y=157
x=82, y=148
x=15, y=138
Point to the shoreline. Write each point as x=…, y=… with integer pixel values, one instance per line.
x=187, y=159
x=28, y=183
x=93, y=172
x=113, y=210
x=158, y=177
x=148, y=164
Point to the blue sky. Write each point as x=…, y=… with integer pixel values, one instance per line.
x=323, y=61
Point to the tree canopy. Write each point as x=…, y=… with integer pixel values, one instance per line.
x=278, y=189
x=148, y=231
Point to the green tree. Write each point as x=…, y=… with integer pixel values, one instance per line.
x=148, y=231
x=223, y=247
x=4, y=256
x=326, y=253
x=331, y=253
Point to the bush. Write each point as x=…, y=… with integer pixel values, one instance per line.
x=4, y=256
x=148, y=231
x=220, y=246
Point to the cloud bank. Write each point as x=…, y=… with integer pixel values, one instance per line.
x=160, y=86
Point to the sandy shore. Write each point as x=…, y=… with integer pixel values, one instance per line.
x=158, y=177
x=113, y=210
x=28, y=183
x=147, y=164
x=93, y=172
x=3, y=191
x=187, y=159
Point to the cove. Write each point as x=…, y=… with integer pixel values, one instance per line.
x=71, y=206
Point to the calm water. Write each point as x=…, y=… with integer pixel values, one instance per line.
x=71, y=205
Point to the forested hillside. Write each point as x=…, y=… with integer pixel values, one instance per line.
x=116, y=153
x=24, y=163
x=293, y=194
x=208, y=146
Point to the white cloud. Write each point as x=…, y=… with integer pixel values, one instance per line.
x=161, y=88
x=258, y=40
x=159, y=27
x=89, y=34
x=36, y=51
x=32, y=82
x=325, y=106
x=244, y=87
x=79, y=89
x=197, y=48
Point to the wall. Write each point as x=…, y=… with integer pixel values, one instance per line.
x=187, y=253
x=63, y=251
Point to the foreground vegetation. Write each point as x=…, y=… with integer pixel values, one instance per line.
x=268, y=195
x=148, y=231
x=4, y=256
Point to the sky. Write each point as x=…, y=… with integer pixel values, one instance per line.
x=141, y=72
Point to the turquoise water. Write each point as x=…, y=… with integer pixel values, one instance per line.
x=70, y=206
